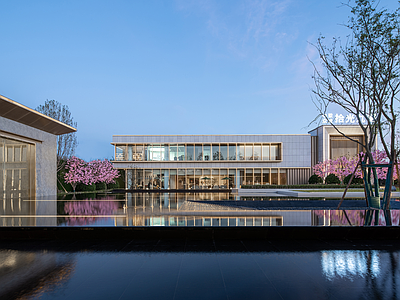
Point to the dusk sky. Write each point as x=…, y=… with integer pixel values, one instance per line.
x=167, y=67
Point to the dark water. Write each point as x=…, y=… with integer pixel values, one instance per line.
x=199, y=270
x=174, y=209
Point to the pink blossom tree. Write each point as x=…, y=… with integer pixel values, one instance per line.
x=89, y=173
x=103, y=171
x=77, y=172
x=343, y=166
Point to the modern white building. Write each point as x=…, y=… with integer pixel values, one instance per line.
x=28, y=163
x=198, y=162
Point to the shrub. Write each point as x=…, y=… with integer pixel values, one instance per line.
x=101, y=186
x=355, y=180
x=113, y=185
x=315, y=179
x=85, y=188
x=332, y=179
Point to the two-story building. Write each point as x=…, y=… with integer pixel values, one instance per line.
x=201, y=162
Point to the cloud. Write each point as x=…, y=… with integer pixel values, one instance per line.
x=256, y=30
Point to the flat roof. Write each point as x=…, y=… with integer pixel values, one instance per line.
x=15, y=111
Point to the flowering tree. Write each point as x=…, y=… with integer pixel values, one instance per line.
x=88, y=173
x=77, y=172
x=342, y=166
x=103, y=171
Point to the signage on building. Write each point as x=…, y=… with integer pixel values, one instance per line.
x=340, y=119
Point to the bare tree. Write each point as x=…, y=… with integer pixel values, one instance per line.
x=66, y=143
x=362, y=76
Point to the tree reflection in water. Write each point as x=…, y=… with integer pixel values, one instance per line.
x=85, y=212
x=356, y=217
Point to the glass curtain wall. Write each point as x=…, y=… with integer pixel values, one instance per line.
x=216, y=178
x=198, y=152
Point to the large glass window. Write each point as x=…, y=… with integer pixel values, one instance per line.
x=131, y=150
x=215, y=182
x=232, y=152
x=233, y=180
x=156, y=179
x=265, y=176
x=206, y=179
x=139, y=179
x=197, y=180
x=249, y=176
x=155, y=152
x=206, y=152
x=165, y=179
x=17, y=171
x=275, y=153
x=164, y=152
x=274, y=176
x=181, y=152
x=249, y=152
x=148, y=179
x=265, y=152
x=223, y=149
x=199, y=152
x=190, y=152
x=120, y=152
x=173, y=179
x=137, y=153
x=181, y=179
x=190, y=178
x=215, y=152
x=257, y=176
x=257, y=152
x=223, y=181
x=341, y=146
x=241, y=152
x=241, y=177
x=173, y=152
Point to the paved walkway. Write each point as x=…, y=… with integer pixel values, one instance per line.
x=294, y=204
x=301, y=194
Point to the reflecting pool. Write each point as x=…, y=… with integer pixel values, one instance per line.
x=187, y=209
x=197, y=270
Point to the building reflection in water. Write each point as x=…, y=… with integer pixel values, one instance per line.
x=348, y=264
x=28, y=274
x=169, y=209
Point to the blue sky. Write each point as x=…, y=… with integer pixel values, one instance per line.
x=167, y=67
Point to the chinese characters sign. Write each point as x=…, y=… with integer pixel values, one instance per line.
x=338, y=119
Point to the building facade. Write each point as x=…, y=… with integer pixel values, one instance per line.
x=198, y=162
x=28, y=149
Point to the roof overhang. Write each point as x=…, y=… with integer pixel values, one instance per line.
x=20, y=113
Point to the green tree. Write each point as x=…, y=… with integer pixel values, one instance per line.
x=66, y=143
x=362, y=76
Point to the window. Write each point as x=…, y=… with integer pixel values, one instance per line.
x=206, y=152
x=232, y=152
x=223, y=149
x=249, y=152
x=341, y=146
x=241, y=152
x=215, y=150
x=257, y=152
x=199, y=152
x=275, y=152
x=120, y=152
x=173, y=152
x=181, y=152
x=190, y=152
x=265, y=152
